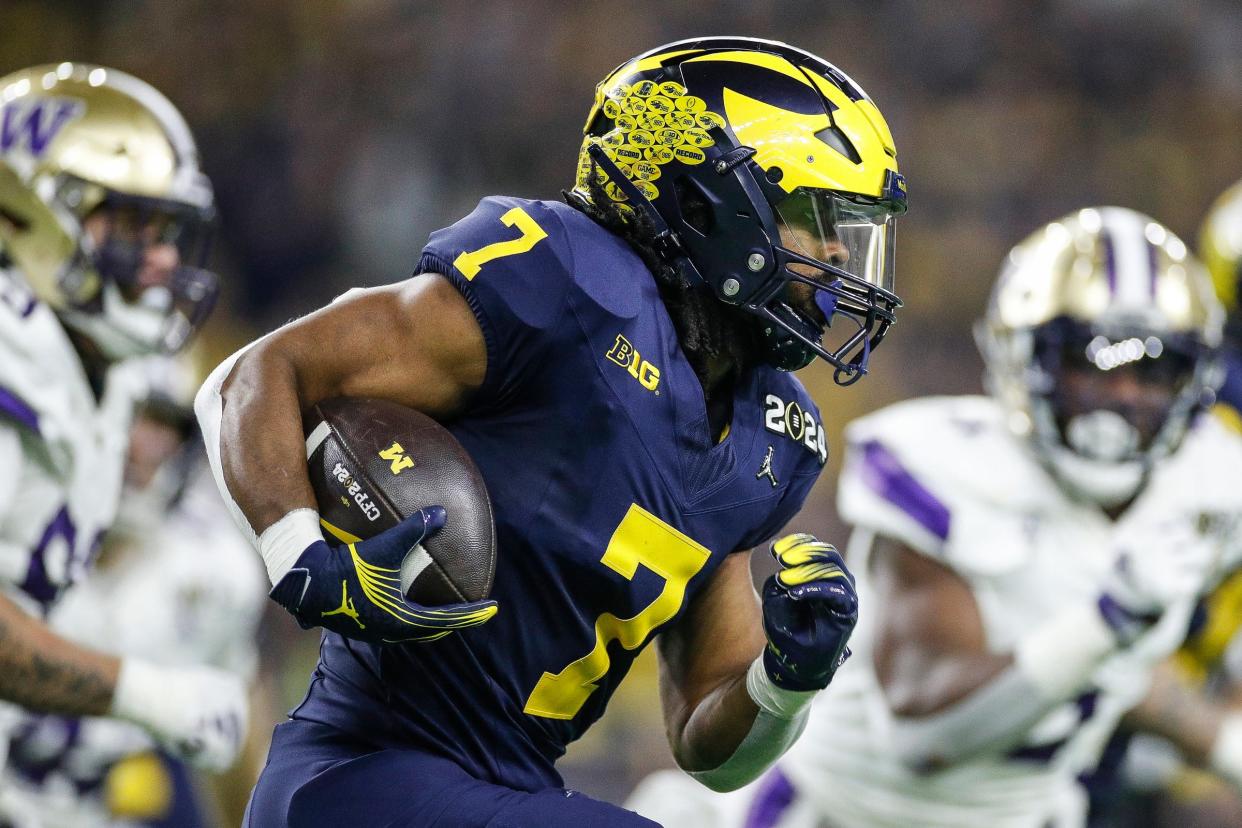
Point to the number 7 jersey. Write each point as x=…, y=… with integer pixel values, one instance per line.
x=614, y=505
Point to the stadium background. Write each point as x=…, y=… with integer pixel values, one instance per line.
x=339, y=134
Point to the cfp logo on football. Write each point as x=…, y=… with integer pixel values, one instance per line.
x=355, y=492
x=623, y=353
x=791, y=420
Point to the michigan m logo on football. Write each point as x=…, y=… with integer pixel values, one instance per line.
x=623, y=353
x=398, y=460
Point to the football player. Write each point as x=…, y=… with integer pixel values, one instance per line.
x=174, y=583
x=1207, y=670
x=1038, y=553
x=103, y=223
x=617, y=366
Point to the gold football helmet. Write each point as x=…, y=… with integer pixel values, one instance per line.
x=1100, y=342
x=96, y=169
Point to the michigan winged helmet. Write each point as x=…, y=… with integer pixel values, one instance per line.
x=1220, y=246
x=1104, y=292
x=81, y=141
x=759, y=166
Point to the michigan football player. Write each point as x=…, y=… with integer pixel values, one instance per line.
x=104, y=219
x=618, y=368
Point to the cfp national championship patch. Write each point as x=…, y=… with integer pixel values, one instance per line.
x=793, y=421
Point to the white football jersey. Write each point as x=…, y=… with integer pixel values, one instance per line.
x=190, y=592
x=946, y=477
x=62, y=451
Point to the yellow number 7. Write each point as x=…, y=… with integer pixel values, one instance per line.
x=641, y=538
x=470, y=262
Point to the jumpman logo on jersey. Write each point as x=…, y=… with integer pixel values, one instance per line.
x=765, y=470
x=347, y=607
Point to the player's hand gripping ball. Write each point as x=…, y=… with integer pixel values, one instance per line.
x=355, y=589
x=410, y=549
x=809, y=610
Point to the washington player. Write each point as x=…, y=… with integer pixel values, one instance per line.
x=103, y=223
x=174, y=583
x=1037, y=553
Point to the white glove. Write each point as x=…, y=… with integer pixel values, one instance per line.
x=1162, y=564
x=1157, y=566
x=199, y=714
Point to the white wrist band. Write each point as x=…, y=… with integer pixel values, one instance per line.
x=139, y=684
x=782, y=703
x=1226, y=756
x=282, y=543
x=1062, y=654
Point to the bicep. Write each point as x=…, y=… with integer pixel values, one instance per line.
x=931, y=648
x=416, y=342
x=716, y=639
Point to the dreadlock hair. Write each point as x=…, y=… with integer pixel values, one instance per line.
x=706, y=327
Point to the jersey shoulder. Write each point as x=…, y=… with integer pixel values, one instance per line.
x=543, y=281
x=940, y=473
x=40, y=375
x=533, y=251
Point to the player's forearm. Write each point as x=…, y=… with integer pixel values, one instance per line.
x=715, y=726
x=739, y=731
x=262, y=454
x=43, y=672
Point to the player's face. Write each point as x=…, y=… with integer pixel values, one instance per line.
x=149, y=235
x=1141, y=391
x=801, y=297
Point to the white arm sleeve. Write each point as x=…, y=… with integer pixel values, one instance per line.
x=209, y=409
x=1050, y=665
x=780, y=721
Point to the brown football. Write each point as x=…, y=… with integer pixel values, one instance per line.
x=373, y=463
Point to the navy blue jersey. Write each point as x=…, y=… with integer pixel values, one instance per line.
x=1229, y=395
x=614, y=505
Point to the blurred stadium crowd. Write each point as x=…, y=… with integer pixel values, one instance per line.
x=339, y=134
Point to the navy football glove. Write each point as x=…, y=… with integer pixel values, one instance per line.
x=809, y=610
x=355, y=590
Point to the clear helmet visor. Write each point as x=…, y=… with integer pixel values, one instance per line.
x=835, y=264
x=853, y=236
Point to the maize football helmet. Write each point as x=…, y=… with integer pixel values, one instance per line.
x=758, y=166
x=80, y=141
x=1220, y=246
x=1100, y=340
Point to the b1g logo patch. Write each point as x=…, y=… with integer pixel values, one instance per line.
x=794, y=422
x=624, y=354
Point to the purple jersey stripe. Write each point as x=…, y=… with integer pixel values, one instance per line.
x=776, y=793
x=883, y=472
x=15, y=408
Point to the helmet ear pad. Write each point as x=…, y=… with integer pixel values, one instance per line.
x=728, y=231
